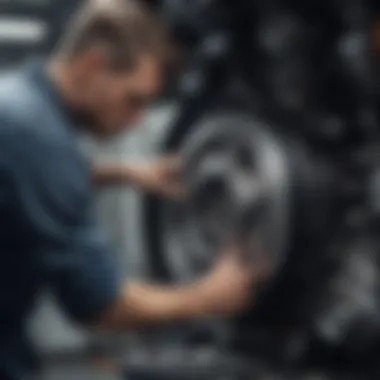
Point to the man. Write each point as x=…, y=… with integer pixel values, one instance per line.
x=107, y=68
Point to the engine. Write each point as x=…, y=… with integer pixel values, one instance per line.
x=278, y=104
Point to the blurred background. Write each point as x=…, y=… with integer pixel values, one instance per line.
x=333, y=51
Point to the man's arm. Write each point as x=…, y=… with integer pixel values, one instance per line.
x=225, y=291
x=161, y=177
x=73, y=257
x=143, y=306
x=116, y=173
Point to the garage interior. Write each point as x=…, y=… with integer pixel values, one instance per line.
x=331, y=133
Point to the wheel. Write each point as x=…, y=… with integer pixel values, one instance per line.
x=234, y=160
x=225, y=171
x=229, y=158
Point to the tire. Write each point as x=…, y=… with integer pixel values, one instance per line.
x=299, y=226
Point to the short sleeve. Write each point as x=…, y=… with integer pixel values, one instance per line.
x=52, y=193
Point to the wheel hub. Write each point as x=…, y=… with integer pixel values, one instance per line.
x=231, y=166
x=222, y=186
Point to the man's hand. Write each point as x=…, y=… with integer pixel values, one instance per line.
x=230, y=286
x=161, y=177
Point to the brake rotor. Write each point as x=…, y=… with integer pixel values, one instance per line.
x=232, y=164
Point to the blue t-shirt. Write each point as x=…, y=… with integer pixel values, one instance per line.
x=48, y=236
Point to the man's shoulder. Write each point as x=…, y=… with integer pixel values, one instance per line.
x=29, y=136
x=27, y=118
x=18, y=100
x=24, y=108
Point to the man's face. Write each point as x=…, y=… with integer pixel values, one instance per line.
x=115, y=100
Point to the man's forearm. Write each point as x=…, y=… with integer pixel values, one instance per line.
x=110, y=174
x=144, y=306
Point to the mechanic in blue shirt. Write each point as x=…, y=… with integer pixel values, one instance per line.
x=106, y=69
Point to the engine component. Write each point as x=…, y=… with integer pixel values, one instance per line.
x=285, y=43
x=351, y=316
